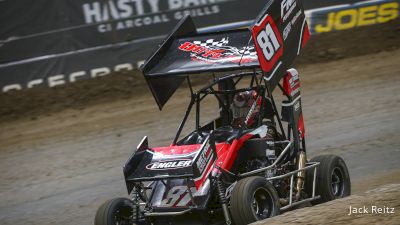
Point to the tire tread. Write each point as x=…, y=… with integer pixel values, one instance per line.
x=240, y=199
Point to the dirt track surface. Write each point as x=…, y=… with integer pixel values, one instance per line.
x=57, y=169
x=385, y=198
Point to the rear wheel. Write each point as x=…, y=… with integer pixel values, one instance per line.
x=332, y=180
x=116, y=211
x=253, y=199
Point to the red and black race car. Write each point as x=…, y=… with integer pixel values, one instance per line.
x=249, y=163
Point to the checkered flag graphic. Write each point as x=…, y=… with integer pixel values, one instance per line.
x=249, y=51
x=223, y=44
x=212, y=43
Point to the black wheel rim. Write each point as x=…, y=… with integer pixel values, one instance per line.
x=262, y=203
x=337, y=182
x=121, y=218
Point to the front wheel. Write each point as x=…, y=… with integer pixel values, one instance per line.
x=332, y=180
x=253, y=199
x=116, y=211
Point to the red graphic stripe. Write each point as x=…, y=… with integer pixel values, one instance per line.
x=306, y=36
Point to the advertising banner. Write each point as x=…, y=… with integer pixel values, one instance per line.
x=348, y=16
x=50, y=43
x=57, y=38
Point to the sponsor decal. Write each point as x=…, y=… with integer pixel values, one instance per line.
x=205, y=155
x=287, y=8
x=268, y=42
x=287, y=30
x=178, y=196
x=255, y=107
x=218, y=51
x=298, y=14
x=297, y=106
x=203, y=52
x=169, y=164
x=291, y=83
x=291, y=23
x=350, y=16
x=204, y=163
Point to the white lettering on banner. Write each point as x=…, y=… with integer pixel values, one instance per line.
x=98, y=72
x=92, y=12
x=123, y=67
x=126, y=11
x=61, y=79
x=137, y=13
x=11, y=87
x=74, y=75
x=56, y=80
x=33, y=83
x=139, y=7
x=154, y=5
x=178, y=4
x=131, y=23
x=102, y=11
x=174, y=4
x=140, y=63
x=104, y=28
x=197, y=12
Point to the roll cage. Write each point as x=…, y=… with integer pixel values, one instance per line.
x=291, y=144
x=256, y=82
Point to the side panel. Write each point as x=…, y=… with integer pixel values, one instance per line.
x=292, y=109
x=279, y=34
x=161, y=163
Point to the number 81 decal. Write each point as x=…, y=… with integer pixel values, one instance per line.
x=178, y=196
x=268, y=43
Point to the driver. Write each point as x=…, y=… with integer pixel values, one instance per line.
x=245, y=108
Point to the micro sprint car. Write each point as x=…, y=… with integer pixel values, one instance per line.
x=250, y=162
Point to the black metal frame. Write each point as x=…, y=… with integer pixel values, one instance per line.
x=257, y=82
x=197, y=97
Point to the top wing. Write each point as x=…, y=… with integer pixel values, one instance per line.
x=187, y=52
x=211, y=52
x=276, y=38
